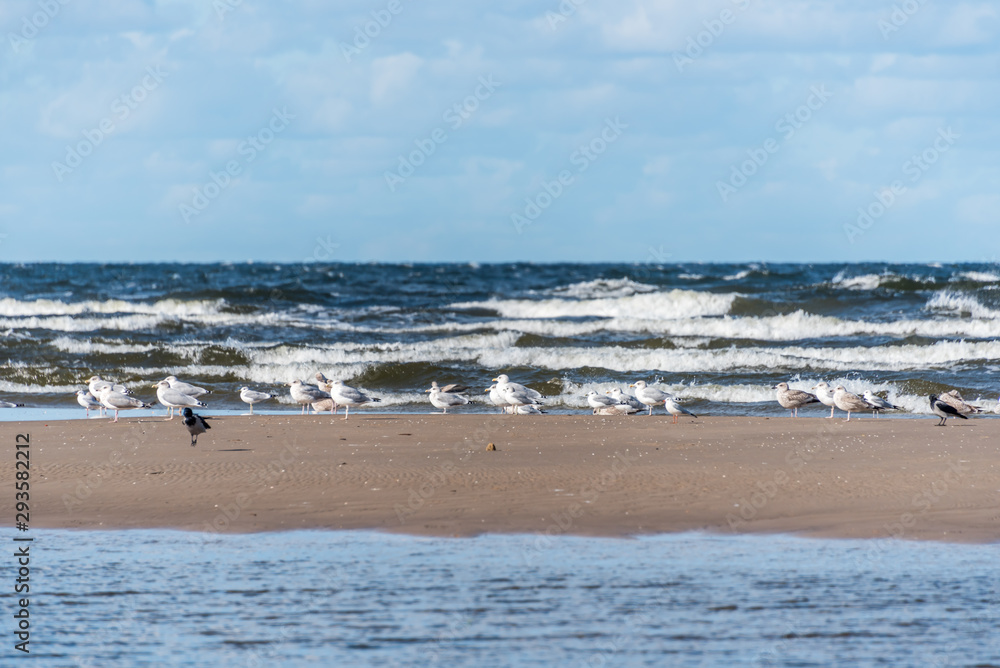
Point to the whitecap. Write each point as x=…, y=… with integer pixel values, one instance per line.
x=960, y=304
x=671, y=305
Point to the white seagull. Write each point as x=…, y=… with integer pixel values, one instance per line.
x=306, y=394
x=650, y=396
x=944, y=411
x=794, y=399
x=599, y=401
x=348, y=396
x=116, y=401
x=186, y=388
x=445, y=400
x=252, y=397
x=676, y=409
x=518, y=397
x=825, y=395
x=171, y=398
x=88, y=401
x=878, y=403
x=623, y=399
x=96, y=385
x=497, y=399
x=503, y=383
x=849, y=403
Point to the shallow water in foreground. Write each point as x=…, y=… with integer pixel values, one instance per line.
x=155, y=598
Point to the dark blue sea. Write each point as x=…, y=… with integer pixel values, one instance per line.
x=718, y=336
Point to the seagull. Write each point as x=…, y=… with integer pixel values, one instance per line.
x=878, y=403
x=527, y=409
x=849, y=403
x=955, y=400
x=623, y=399
x=794, y=399
x=454, y=388
x=88, y=401
x=96, y=385
x=324, y=405
x=172, y=398
x=676, y=409
x=518, y=397
x=825, y=395
x=497, y=399
x=347, y=396
x=599, y=401
x=116, y=401
x=944, y=411
x=252, y=397
x=503, y=382
x=186, y=388
x=306, y=394
x=648, y=395
x=195, y=424
x=327, y=404
x=445, y=400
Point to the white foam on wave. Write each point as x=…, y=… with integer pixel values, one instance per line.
x=83, y=347
x=15, y=389
x=978, y=276
x=787, y=327
x=671, y=305
x=943, y=354
x=873, y=281
x=603, y=288
x=171, y=307
x=864, y=282
x=139, y=322
x=961, y=304
x=459, y=348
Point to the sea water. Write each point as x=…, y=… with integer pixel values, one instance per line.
x=167, y=598
x=718, y=336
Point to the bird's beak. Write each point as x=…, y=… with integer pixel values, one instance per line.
x=495, y=380
x=426, y=390
x=632, y=385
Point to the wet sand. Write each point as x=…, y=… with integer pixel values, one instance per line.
x=584, y=475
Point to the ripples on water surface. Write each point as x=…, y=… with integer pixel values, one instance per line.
x=152, y=598
x=719, y=336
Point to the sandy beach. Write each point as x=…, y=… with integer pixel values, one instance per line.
x=584, y=475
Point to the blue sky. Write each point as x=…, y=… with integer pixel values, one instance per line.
x=581, y=130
